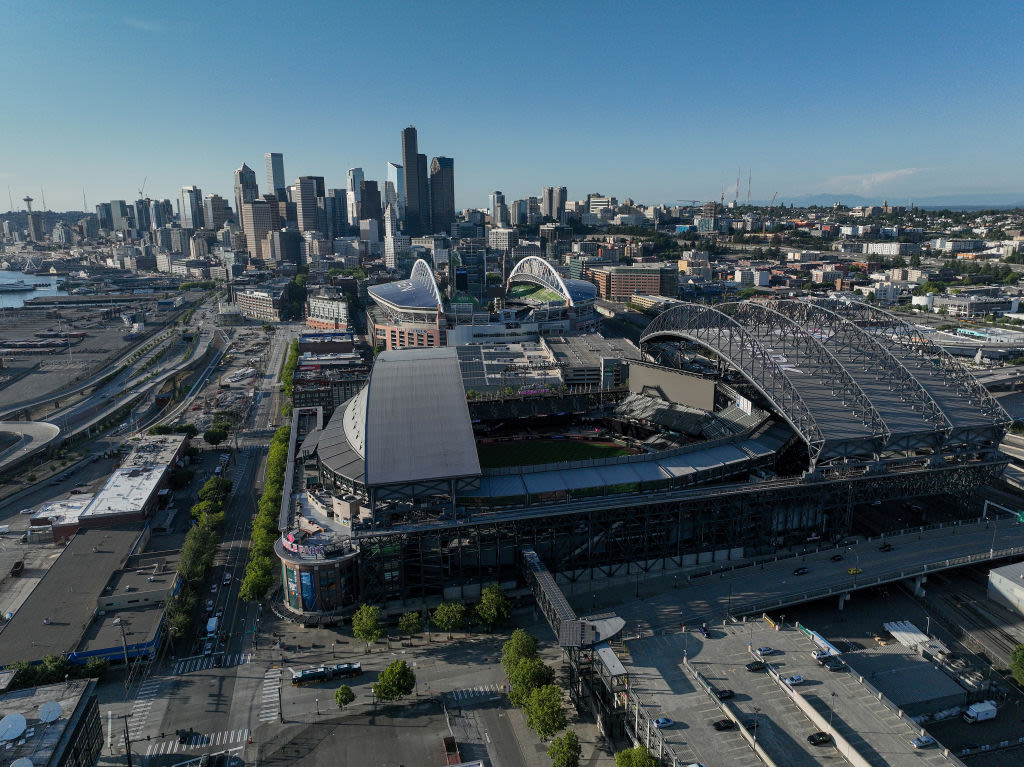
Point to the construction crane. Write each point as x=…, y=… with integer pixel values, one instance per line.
x=736, y=197
x=143, y=188
x=764, y=221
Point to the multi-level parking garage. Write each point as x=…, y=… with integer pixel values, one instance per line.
x=803, y=411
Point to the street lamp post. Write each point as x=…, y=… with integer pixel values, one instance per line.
x=831, y=711
x=757, y=721
x=318, y=707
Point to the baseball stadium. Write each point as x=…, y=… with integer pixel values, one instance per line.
x=733, y=430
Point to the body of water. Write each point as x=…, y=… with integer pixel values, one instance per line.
x=16, y=300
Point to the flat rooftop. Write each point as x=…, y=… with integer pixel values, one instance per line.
x=56, y=614
x=589, y=349
x=126, y=490
x=41, y=740
x=154, y=450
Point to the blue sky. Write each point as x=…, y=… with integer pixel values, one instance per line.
x=654, y=100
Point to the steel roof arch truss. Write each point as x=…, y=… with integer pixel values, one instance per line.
x=727, y=338
x=538, y=271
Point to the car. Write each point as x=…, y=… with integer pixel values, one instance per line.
x=765, y=651
x=794, y=680
x=923, y=742
x=663, y=722
x=801, y=571
x=836, y=557
x=756, y=665
x=819, y=738
x=885, y=547
x=834, y=664
x=76, y=491
x=27, y=511
x=724, y=694
x=854, y=571
x=213, y=589
x=208, y=647
x=227, y=579
x=220, y=612
x=724, y=724
x=209, y=605
x=819, y=654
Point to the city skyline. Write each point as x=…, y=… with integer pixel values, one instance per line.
x=847, y=103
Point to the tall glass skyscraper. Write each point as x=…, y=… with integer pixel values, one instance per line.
x=191, y=207
x=275, y=174
x=442, y=195
x=394, y=188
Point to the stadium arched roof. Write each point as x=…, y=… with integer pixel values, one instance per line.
x=537, y=271
x=418, y=292
x=852, y=380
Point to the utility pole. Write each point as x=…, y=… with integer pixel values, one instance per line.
x=127, y=739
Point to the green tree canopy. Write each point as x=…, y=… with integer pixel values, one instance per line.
x=635, y=757
x=395, y=681
x=366, y=624
x=544, y=712
x=450, y=616
x=1017, y=663
x=410, y=623
x=344, y=695
x=214, y=436
x=519, y=646
x=494, y=608
x=527, y=676
x=565, y=750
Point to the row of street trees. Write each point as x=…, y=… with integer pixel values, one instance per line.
x=259, y=572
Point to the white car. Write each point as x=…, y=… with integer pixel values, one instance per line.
x=27, y=511
x=763, y=652
x=227, y=578
x=923, y=742
x=794, y=680
x=819, y=654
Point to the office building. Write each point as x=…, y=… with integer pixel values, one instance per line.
x=327, y=312
x=190, y=212
x=259, y=217
x=355, y=178
x=262, y=304
x=394, y=188
x=369, y=201
x=502, y=239
x=336, y=212
x=73, y=739
x=417, y=192
x=120, y=216
x=305, y=203
x=161, y=214
x=499, y=211
x=284, y=246
x=552, y=202
x=619, y=283
x=442, y=194
x=143, y=221
x=215, y=211
x=104, y=215
x=246, y=189
x=275, y=175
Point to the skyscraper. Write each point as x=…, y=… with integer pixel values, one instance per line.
x=260, y=216
x=336, y=211
x=191, y=210
x=246, y=189
x=499, y=211
x=394, y=188
x=161, y=213
x=120, y=216
x=275, y=175
x=215, y=211
x=355, y=178
x=442, y=195
x=104, y=215
x=417, y=194
x=369, y=204
x=305, y=203
x=552, y=202
x=143, y=222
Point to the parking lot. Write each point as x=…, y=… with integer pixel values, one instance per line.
x=874, y=730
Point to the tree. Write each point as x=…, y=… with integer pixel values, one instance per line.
x=1017, y=663
x=494, y=607
x=520, y=646
x=410, y=623
x=394, y=681
x=214, y=436
x=344, y=695
x=527, y=676
x=565, y=751
x=450, y=616
x=635, y=757
x=544, y=713
x=366, y=625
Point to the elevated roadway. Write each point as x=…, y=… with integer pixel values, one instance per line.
x=710, y=594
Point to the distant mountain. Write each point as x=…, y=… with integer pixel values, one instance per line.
x=953, y=201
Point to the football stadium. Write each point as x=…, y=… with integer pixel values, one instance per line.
x=734, y=430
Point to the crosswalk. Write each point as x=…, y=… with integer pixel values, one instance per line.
x=198, y=740
x=148, y=693
x=203, y=662
x=475, y=693
x=270, y=706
